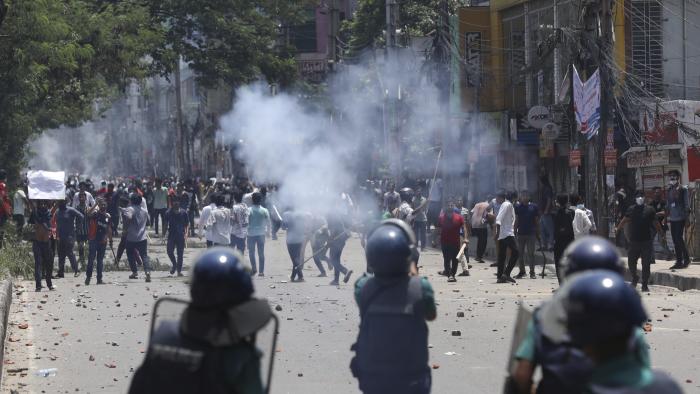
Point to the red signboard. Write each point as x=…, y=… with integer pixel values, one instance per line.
x=610, y=158
x=574, y=158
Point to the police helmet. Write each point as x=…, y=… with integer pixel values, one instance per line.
x=391, y=247
x=406, y=194
x=601, y=306
x=220, y=279
x=590, y=253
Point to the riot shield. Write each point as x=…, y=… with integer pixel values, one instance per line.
x=522, y=319
x=265, y=330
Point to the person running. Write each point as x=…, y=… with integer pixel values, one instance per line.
x=258, y=226
x=135, y=221
x=175, y=225
x=66, y=224
x=99, y=233
x=295, y=223
x=338, y=234
x=450, y=224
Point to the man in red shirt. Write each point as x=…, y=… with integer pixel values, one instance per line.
x=450, y=224
x=5, y=207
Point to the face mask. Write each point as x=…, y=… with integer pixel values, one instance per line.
x=673, y=182
x=639, y=200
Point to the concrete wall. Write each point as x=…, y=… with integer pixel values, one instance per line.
x=673, y=47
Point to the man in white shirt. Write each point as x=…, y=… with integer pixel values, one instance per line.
x=18, y=208
x=582, y=223
x=215, y=222
x=239, y=222
x=89, y=199
x=505, y=237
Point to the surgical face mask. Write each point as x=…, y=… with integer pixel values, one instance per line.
x=673, y=182
x=639, y=200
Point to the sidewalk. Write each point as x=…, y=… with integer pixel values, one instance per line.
x=661, y=275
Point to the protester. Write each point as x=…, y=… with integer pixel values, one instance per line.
x=479, y=228
x=505, y=235
x=5, y=207
x=581, y=224
x=465, y=233
x=239, y=222
x=338, y=233
x=677, y=211
x=67, y=219
x=160, y=205
x=659, y=205
x=450, y=223
x=547, y=209
x=527, y=221
x=81, y=228
x=392, y=198
x=295, y=223
x=319, y=244
x=258, y=226
x=175, y=225
x=419, y=206
x=641, y=219
x=563, y=230
x=99, y=233
x=43, y=266
x=19, y=204
x=135, y=221
x=82, y=190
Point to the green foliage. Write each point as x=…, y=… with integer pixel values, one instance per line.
x=16, y=257
x=225, y=40
x=417, y=18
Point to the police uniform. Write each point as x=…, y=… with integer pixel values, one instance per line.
x=392, y=346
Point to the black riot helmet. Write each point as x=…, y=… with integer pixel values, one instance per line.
x=391, y=247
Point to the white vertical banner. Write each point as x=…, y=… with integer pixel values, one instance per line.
x=587, y=103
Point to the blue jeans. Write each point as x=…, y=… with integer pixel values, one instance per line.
x=176, y=242
x=547, y=224
x=419, y=228
x=95, y=250
x=335, y=251
x=259, y=242
x=138, y=251
x=238, y=243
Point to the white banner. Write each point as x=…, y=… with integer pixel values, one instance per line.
x=587, y=103
x=47, y=185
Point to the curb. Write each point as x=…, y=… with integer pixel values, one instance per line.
x=669, y=279
x=5, y=304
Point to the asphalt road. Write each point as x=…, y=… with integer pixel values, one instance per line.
x=95, y=336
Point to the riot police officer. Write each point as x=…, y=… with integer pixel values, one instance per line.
x=211, y=349
x=392, y=345
x=565, y=369
x=603, y=316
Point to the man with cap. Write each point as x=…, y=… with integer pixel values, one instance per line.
x=604, y=315
x=391, y=352
x=547, y=344
x=212, y=347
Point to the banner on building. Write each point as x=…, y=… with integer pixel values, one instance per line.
x=574, y=158
x=651, y=158
x=473, y=58
x=587, y=103
x=46, y=185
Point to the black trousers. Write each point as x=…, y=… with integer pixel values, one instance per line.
x=335, y=252
x=65, y=249
x=559, y=247
x=42, y=265
x=481, y=240
x=449, y=259
x=678, y=243
x=160, y=213
x=295, y=254
x=635, y=250
x=175, y=243
x=503, y=245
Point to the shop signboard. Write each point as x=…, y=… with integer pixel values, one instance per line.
x=650, y=158
x=575, y=158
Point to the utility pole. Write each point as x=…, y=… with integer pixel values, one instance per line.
x=391, y=91
x=180, y=142
x=605, y=45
